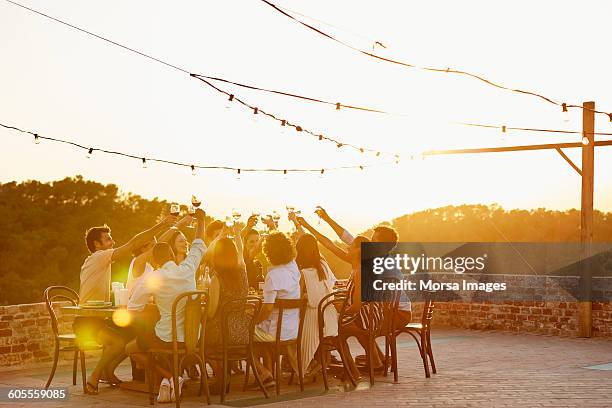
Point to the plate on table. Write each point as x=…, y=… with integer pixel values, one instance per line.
x=95, y=304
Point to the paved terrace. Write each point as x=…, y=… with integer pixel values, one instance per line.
x=475, y=369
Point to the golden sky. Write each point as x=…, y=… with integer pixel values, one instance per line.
x=62, y=83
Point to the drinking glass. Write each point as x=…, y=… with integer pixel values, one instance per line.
x=236, y=214
x=175, y=209
x=195, y=201
x=191, y=211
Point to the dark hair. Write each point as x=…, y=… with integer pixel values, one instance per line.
x=251, y=231
x=278, y=249
x=387, y=234
x=95, y=234
x=173, y=237
x=162, y=253
x=308, y=255
x=141, y=249
x=225, y=263
x=213, y=228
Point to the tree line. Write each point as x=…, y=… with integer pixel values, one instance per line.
x=42, y=233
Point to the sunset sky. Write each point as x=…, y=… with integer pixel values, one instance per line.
x=61, y=83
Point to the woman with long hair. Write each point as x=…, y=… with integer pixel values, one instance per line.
x=229, y=282
x=318, y=282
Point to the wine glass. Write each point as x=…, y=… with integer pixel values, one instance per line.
x=276, y=217
x=195, y=201
x=290, y=208
x=236, y=214
x=191, y=210
x=319, y=212
x=175, y=209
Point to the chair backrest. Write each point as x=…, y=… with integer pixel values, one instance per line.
x=331, y=300
x=247, y=306
x=196, y=310
x=428, y=308
x=56, y=294
x=286, y=304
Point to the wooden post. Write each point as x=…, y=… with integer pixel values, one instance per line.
x=586, y=220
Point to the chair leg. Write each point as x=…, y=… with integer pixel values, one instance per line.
x=300, y=368
x=175, y=380
x=278, y=370
x=323, y=363
x=246, y=375
x=83, y=370
x=423, y=350
x=256, y=374
x=394, y=358
x=370, y=354
x=340, y=346
x=55, y=359
x=386, y=362
x=223, y=375
x=204, y=381
x=75, y=363
x=150, y=374
x=430, y=353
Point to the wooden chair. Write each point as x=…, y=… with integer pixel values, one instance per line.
x=250, y=306
x=377, y=317
x=330, y=343
x=279, y=345
x=196, y=309
x=421, y=333
x=66, y=341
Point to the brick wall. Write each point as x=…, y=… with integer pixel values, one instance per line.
x=26, y=336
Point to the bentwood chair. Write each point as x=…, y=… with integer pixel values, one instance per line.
x=280, y=345
x=247, y=306
x=66, y=341
x=421, y=333
x=196, y=309
x=330, y=343
x=375, y=319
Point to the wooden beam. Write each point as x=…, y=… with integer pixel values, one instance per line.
x=569, y=161
x=585, y=321
x=548, y=146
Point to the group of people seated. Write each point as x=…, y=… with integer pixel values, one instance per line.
x=233, y=260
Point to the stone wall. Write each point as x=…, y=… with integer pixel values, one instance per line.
x=26, y=336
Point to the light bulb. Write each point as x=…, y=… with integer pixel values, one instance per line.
x=36, y=139
x=566, y=117
x=193, y=170
x=89, y=153
x=144, y=163
x=238, y=175
x=255, y=115
x=283, y=126
x=285, y=175
x=321, y=173
x=228, y=103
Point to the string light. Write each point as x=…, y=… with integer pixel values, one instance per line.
x=338, y=105
x=566, y=118
x=299, y=129
x=321, y=173
x=228, y=104
x=423, y=68
x=285, y=175
x=238, y=175
x=503, y=129
x=36, y=139
x=193, y=170
x=255, y=113
x=89, y=153
x=145, y=161
x=585, y=141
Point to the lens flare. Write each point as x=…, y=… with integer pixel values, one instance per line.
x=122, y=317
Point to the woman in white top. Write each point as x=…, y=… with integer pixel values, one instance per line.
x=318, y=282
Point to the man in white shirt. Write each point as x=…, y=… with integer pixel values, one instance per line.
x=95, y=280
x=166, y=282
x=282, y=282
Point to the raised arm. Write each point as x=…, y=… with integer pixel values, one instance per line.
x=188, y=267
x=239, y=248
x=251, y=222
x=299, y=231
x=142, y=238
x=340, y=231
x=326, y=242
x=142, y=259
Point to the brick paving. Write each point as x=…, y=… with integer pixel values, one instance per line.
x=475, y=369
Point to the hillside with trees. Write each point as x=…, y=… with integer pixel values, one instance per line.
x=43, y=225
